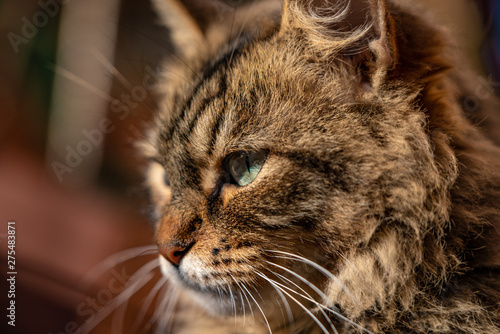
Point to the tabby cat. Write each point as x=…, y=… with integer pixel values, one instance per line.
x=314, y=170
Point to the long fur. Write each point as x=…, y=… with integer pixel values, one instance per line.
x=374, y=171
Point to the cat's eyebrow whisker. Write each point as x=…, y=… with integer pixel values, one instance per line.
x=258, y=306
x=272, y=282
x=167, y=47
x=241, y=31
x=112, y=69
x=186, y=80
x=113, y=260
x=82, y=83
x=291, y=256
x=88, y=86
x=147, y=303
x=230, y=33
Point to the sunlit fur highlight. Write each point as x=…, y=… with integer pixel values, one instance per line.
x=375, y=172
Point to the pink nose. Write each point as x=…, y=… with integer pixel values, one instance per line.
x=174, y=253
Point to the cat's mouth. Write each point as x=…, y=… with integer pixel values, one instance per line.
x=225, y=291
x=234, y=292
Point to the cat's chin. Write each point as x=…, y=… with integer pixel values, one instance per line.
x=217, y=304
x=213, y=299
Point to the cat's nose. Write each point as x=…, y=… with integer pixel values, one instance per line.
x=174, y=253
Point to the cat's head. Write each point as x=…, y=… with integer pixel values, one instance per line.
x=300, y=151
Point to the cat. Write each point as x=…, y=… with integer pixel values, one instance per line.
x=313, y=169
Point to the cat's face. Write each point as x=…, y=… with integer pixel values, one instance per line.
x=274, y=160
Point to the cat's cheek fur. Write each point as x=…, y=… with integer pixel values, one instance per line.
x=160, y=192
x=375, y=176
x=208, y=302
x=168, y=270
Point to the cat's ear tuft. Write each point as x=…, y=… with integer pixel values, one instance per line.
x=359, y=30
x=186, y=36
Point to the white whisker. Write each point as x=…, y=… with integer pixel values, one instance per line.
x=233, y=304
x=243, y=305
x=272, y=282
x=147, y=302
x=159, y=315
x=291, y=319
x=248, y=301
x=79, y=81
x=320, y=293
x=220, y=294
x=113, y=260
x=241, y=298
x=119, y=317
x=164, y=295
x=283, y=278
x=169, y=312
x=291, y=256
x=258, y=306
x=312, y=286
x=111, y=68
x=113, y=305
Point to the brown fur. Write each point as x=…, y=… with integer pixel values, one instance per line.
x=374, y=171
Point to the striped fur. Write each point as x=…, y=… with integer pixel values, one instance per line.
x=374, y=172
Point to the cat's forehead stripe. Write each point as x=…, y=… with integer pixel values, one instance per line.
x=215, y=132
x=216, y=89
x=196, y=137
x=218, y=69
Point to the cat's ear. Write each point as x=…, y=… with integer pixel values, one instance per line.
x=185, y=34
x=356, y=30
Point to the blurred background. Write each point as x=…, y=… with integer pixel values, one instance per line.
x=76, y=91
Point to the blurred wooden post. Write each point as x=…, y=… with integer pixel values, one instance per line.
x=87, y=40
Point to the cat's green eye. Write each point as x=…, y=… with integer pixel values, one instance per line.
x=245, y=166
